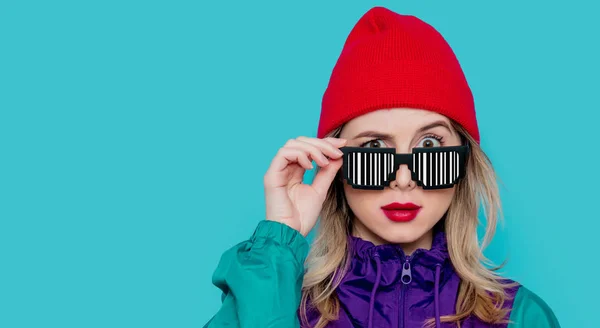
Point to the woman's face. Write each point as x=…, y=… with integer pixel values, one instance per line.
x=402, y=129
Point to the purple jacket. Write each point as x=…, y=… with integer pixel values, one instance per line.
x=386, y=288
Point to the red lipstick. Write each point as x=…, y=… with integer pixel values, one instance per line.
x=401, y=212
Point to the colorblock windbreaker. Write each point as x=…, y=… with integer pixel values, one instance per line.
x=261, y=280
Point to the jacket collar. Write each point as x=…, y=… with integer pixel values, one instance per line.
x=438, y=254
x=422, y=261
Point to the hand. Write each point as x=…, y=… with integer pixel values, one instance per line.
x=290, y=201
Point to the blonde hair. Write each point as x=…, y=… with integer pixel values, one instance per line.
x=481, y=292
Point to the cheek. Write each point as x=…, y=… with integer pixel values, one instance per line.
x=361, y=201
x=437, y=202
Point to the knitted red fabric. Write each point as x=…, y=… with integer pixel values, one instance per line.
x=391, y=60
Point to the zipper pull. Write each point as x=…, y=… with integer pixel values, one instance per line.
x=406, y=273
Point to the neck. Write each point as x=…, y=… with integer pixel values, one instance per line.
x=361, y=231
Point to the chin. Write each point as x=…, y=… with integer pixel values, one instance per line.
x=400, y=233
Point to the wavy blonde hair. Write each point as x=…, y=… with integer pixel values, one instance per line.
x=481, y=291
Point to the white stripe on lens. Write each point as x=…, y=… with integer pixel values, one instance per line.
x=436, y=168
x=420, y=165
x=385, y=160
x=358, y=170
x=425, y=167
x=353, y=167
x=440, y=168
x=454, y=166
x=457, y=164
x=444, y=168
x=378, y=169
x=366, y=163
x=451, y=167
x=367, y=168
x=431, y=169
x=371, y=168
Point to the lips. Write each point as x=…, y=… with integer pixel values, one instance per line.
x=401, y=212
x=398, y=206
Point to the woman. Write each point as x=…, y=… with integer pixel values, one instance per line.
x=396, y=244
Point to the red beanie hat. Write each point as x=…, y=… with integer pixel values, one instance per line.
x=391, y=60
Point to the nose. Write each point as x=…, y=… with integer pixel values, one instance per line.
x=403, y=179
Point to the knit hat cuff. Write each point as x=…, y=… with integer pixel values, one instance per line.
x=359, y=89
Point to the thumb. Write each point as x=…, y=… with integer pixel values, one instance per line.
x=325, y=176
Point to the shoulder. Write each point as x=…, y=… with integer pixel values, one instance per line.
x=530, y=310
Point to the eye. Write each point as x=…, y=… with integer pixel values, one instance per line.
x=375, y=143
x=431, y=140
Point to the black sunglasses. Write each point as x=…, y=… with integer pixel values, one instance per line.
x=431, y=167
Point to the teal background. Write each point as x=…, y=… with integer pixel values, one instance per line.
x=135, y=135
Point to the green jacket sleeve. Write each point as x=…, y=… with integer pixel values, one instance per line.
x=261, y=279
x=530, y=311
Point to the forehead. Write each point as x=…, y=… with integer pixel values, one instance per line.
x=395, y=121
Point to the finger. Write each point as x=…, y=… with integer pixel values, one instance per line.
x=326, y=146
x=336, y=141
x=315, y=153
x=286, y=156
x=325, y=176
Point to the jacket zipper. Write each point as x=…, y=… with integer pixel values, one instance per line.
x=406, y=279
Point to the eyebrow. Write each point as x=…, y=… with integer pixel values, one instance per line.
x=432, y=125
